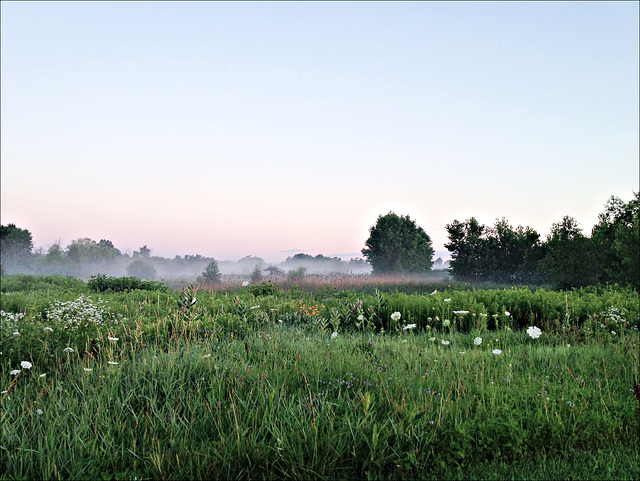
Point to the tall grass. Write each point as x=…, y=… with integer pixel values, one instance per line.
x=246, y=387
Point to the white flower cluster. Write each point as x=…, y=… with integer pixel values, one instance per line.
x=534, y=332
x=10, y=323
x=81, y=313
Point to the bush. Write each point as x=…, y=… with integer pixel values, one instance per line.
x=101, y=283
x=264, y=289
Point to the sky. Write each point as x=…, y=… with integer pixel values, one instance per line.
x=229, y=129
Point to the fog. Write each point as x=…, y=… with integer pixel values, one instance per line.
x=57, y=261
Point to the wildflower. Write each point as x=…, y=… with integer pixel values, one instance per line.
x=461, y=312
x=15, y=372
x=88, y=369
x=193, y=301
x=334, y=334
x=48, y=329
x=113, y=338
x=395, y=316
x=43, y=375
x=408, y=326
x=16, y=334
x=497, y=352
x=447, y=300
x=444, y=343
x=245, y=283
x=477, y=341
x=26, y=364
x=39, y=412
x=67, y=349
x=534, y=332
x=432, y=339
x=113, y=363
x=613, y=333
x=507, y=313
x=360, y=317
x=446, y=323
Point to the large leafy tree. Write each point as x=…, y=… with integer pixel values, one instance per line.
x=397, y=245
x=467, y=245
x=15, y=248
x=616, y=242
x=501, y=253
x=569, y=257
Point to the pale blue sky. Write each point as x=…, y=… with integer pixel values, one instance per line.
x=234, y=129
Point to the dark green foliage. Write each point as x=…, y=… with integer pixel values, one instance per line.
x=565, y=260
x=570, y=258
x=102, y=283
x=15, y=248
x=616, y=242
x=264, y=289
x=397, y=245
x=501, y=254
x=29, y=282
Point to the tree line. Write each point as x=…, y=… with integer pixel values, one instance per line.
x=396, y=245
x=85, y=257
x=502, y=254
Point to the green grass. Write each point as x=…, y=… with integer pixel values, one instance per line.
x=224, y=390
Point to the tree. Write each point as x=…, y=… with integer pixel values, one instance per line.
x=15, y=248
x=397, y=245
x=467, y=244
x=569, y=259
x=616, y=242
x=144, y=252
x=501, y=253
x=211, y=273
x=141, y=270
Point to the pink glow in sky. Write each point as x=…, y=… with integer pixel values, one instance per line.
x=232, y=129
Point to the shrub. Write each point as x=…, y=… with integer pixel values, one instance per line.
x=101, y=283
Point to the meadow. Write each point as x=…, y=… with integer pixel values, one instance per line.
x=313, y=380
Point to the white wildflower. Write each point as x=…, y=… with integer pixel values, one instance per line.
x=15, y=372
x=26, y=364
x=408, y=326
x=396, y=316
x=444, y=343
x=334, y=334
x=477, y=341
x=534, y=332
x=67, y=349
x=497, y=352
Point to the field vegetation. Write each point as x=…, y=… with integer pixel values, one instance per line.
x=309, y=380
